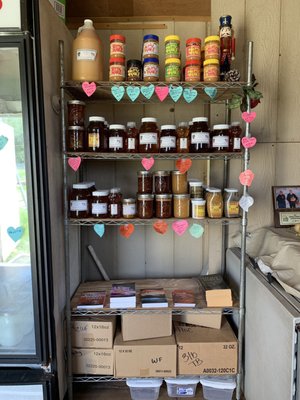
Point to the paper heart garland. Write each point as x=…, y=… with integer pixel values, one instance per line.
x=133, y=92
x=147, y=163
x=211, y=92
x=74, y=163
x=118, y=92
x=179, y=227
x=175, y=92
x=249, y=117
x=126, y=230
x=3, y=141
x=246, y=177
x=89, y=88
x=147, y=91
x=248, y=142
x=162, y=92
x=189, y=95
x=246, y=202
x=160, y=227
x=99, y=229
x=183, y=165
x=196, y=230
x=15, y=233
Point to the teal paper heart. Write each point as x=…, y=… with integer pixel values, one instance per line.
x=99, y=229
x=190, y=95
x=3, y=141
x=118, y=92
x=211, y=92
x=175, y=92
x=196, y=231
x=147, y=91
x=133, y=92
x=15, y=233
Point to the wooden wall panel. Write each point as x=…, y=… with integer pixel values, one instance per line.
x=287, y=164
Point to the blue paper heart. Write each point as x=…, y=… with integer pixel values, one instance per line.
x=118, y=92
x=147, y=91
x=211, y=92
x=196, y=231
x=3, y=141
x=15, y=233
x=190, y=95
x=133, y=92
x=99, y=229
x=175, y=92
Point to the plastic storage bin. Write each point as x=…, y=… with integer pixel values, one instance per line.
x=144, y=389
x=218, y=387
x=182, y=387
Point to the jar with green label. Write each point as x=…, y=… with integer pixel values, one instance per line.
x=172, y=70
x=172, y=46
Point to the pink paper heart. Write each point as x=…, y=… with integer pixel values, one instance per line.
x=88, y=88
x=126, y=230
x=183, y=165
x=147, y=163
x=249, y=117
x=162, y=92
x=180, y=227
x=246, y=177
x=160, y=227
x=74, y=162
x=248, y=142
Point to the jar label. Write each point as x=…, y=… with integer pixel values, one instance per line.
x=200, y=138
x=78, y=205
x=114, y=209
x=151, y=70
x=117, y=48
x=212, y=49
x=116, y=142
x=131, y=143
x=172, y=50
x=168, y=141
x=148, y=138
x=93, y=140
x=193, y=51
x=99, y=208
x=117, y=71
x=129, y=209
x=150, y=48
x=211, y=71
x=198, y=211
x=220, y=141
x=133, y=73
x=86, y=54
x=192, y=72
x=237, y=144
x=183, y=143
x=172, y=71
x=233, y=208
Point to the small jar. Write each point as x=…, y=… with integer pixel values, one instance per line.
x=179, y=182
x=163, y=206
x=162, y=182
x=105, y=137
x=168, y=138
x=95, y=133
x=181, y=205
x=196, y=189
x=220, y=138
x=129, y=208
x=75, y=138
x=172, y=46
x=211, y=70
x=79, y=201
x=117, y=69
x=192, y=71
x=212, y=47
x=200, y=137
x=145, y=206
x=231, y=203
x=117, y=46
x=172, y=70
x=99, y=204
x=145, y=182
x=151, y=69
x=235, y=133
x=198, y=208
x=150, y=46
x=214, y=203
x=131, y=138
x=76, y=113
x=149, y=136
x=115, y=203
x=193, y=49
x=183, y=138
x=134, y=70
x=116, y=138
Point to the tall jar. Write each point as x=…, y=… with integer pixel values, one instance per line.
x=115, y=203
x=151, y=69
x=231, y=203
x=162, y=182
x=79, y=201
x=200, y=136
x=220, y=138
x=183, y=138
x=214, y=203
x=212, y=47
x=179, y=182
x=76, y=113
x=172, y=46
x=149, y=136
x=168, y=138
x=99, y=204
x=163, y=206
x=117, y=69
x=235, y=133
x=131, y=139
x=150, y=46
x=181, y=205
x=117, y=46
x=172, y=70
x=95, y=133
x=145, y=182
x=116, y=138
x=145, y=208
x=211, y=70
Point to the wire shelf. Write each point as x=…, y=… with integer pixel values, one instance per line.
x=96, y=378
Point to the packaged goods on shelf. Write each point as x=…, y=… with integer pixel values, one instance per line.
x=209, y=320
x=123, y=295
x=93, y=361
x=141, y=389
x=182, y=386
x=218, y=387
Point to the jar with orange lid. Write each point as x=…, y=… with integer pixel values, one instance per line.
x=212, y=47
x=117, y=69
x=149, y=136
x=211, y=70
x=192, y=71
x=172, y=70
x=117, y=46
x=193, y=49
x=172, y=46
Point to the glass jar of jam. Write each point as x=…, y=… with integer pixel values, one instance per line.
x=79, y=201
x=220, y=138
x=183, y=138
x=151, y=69
x=145, y=206
x=163, y=205
x=211, y=70
x=168, y=138
x=95, y=133
x=179, y=182
x=117, y=69
x=193, y=49
x=129, y=208
x=172, y=70
x=235, y=133
x=181, y=205
x=116, y=138
x=196, y=189
x=212, y=47
x=117, y=46
x=192, y=71
x=145, y=182
x=115, y=203
x=200, y=137
x=75, y=138
x=172, y=46
x=162, y=182
x=131, y=138
x=134, y=70
x=231, y=203
x=91, y=186
x=149, y=136
x=76, y=113
x=150, y=46
x=99, y=204
x=214, y=203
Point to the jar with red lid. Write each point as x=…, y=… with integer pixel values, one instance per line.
x=117, y=46
x=75, y=138
x=162, y=182
x=235, y=133
x=193, y=49
x=145, y=208
x=115, y=203
x=116, y=138
x=149, y=136
x=192, y=71
x=95, y=133
x=183, y=138
x=220, y=138
x=168, y=138
x=79, y=201
x=117, y=69
x=163, y=206
x=200, y=137
x=145, y=182
x=76, y=113
x=99, y=204
x=131, y=138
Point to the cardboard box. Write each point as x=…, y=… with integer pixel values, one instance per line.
x=146, y=326
x=206, y=350
x=145, y=358
x=93, y=361
x=95, y=332
x=60, y=8
x=212, y=320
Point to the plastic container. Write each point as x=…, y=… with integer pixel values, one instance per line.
x=117, y=46
x=182, y=387
x=150, y=46
x=218, y=387
x=172, y=46
x=172, y=70
x=198, y=208
x=144, y=389
x=211, y=70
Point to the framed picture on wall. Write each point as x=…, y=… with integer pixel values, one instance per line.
x=286, y=201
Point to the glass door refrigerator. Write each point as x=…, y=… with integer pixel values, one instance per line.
x=27, y=337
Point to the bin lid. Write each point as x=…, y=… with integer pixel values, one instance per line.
x=218, y=382
x=184, y=380
x=143, y=382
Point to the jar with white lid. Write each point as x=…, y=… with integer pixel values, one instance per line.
x=168, y=136
x=79, y=200
x=231, y=203
x=129, y=208
x=196, y=189
x=214, y=203
x=220, y=138
x=198, y=208
x=116, y=138
x=99, y=203
x=200, y=136
x=95, y=133
x=149, y=136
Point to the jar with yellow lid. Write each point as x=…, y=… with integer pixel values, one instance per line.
x=172, y=70
x=214, y=203
x=212, y=47
x=172, y=46
x=211, y=70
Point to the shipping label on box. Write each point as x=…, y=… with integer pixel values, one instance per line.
x=93, y=361
x=146, y=326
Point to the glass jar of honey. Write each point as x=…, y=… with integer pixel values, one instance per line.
x=181, y=205
x=162, y=182
x=75, y=138
x=95, y=133
x=116, y=138
x=163, y=206
x=214, y=203
x=131, y=138
x=168, y=138
x=99, y=204
x=200, y=137
x=220, y=138
x=183, y=138
x=129, y=208
x=115, y=203
x=145, y=182
x=149, y=136
x=145, y=208
x=179, y=182
x=76, y=113
x=79, y=201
